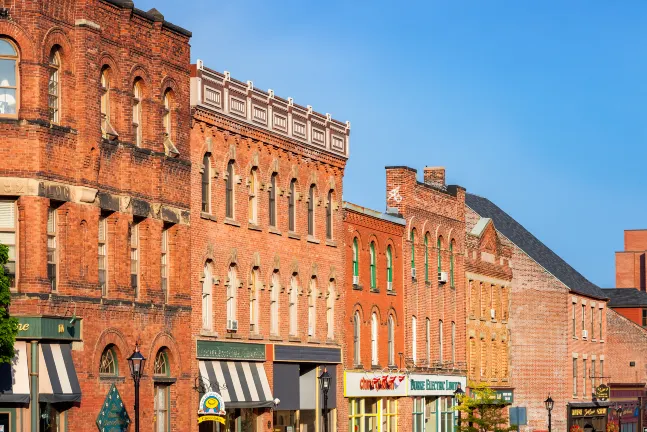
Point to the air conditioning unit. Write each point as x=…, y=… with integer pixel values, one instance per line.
x=311, y=331
x=585, y=334
x=413, y=272
x=355, y=280
x=492, y=313
x=389, y=286
x=442, y=277
x=232, y=325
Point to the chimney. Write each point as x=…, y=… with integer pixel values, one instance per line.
x=435, y=176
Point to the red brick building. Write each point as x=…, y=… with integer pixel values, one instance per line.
x=434, y=293
x=267, y=258
x=558, y=328
x=94, y=202
x=374, y=324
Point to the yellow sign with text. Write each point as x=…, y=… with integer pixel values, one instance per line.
x=214, y=418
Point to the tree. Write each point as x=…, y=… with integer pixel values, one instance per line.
x=482, y=411
x=8, y=325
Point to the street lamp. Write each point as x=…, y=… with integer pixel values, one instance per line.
x=619, y=414
x=458, y=393
x=324, y=381
x=549, y=407
x=136, y=362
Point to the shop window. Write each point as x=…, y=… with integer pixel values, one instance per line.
x=389, y=415
x=431, y=414
x=272, y=201
x=52, y=247
x=108, y=365
x=252, y=208
x=50, y=419
x=329, y=215
x=644, y=318
x=418, y=414
x=138, y=120
x=363, y=414
x=292, y=209
x=207, y=300
x=374, y=332
x=446, y=413
x=103, y=254
x=229, y=191
x=8, y=79
x=206, y=184
x=8, y=237
x=54, y=86
x=389, y=269
x=373, y=265
x=356, y=339
x=275, y=287
x=164, y=264
x=311, y=211
x=293, y=306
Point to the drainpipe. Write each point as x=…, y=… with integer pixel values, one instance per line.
x=34, y=387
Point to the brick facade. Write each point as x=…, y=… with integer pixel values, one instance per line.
x=60, y=169
x=631, y=270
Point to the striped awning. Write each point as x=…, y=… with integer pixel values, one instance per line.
x=14, y=377
x=57, y=381
x=241, y=384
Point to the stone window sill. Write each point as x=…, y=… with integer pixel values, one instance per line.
x=208, y=333
x=375, y=290
x=164, y=379
x=331, y=342
x=357, y=287
x=276, y=338
x=253, y=227
x=233, y=336
x=376, y=367
x=207, y=216
x=428, y=283
x=311, y=239
x=294, y=235
x=391, y=293
x=273, y=230
x=232, y=222
x=294, y=339
x=112, y=379
x=256, y=336
x=331, y=243
x=314, y=341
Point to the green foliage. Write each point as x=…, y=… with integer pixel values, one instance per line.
x=8, y=325
x=482, y=411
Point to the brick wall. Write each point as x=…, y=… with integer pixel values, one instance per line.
x=626, y=343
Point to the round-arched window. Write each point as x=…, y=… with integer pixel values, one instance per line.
x=161, y=366
x=8, y=78
x=108, y=364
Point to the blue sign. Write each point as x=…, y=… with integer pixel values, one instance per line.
x=518, y=416
x=113, y=416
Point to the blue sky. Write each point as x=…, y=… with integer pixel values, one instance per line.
x=540, y=107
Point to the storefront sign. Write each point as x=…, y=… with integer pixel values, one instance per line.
x=48, y=328
x=506, y=396
x=589, y=412
x=301, y=354
x=360, y=384
x=113, y=416
x=211, y=403
x=213, y=418
x=230, y=350
x=434, y=385
x=602, y=392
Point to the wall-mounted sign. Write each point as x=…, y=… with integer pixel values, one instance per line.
x=506, y=396
x=211, y=403
x=113, y=416
x=361, y=384
x=602, y=392
x=435, y=385
x=589, y=412
x=230, y=350
x=49, y=328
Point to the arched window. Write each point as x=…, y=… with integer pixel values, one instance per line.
x=275, y=287
x=138, y=126
x=291, y=206
x=355, y=261
x=312, y=308
x=253, y=303
x=374, y=329
x=373, y=267
x=311, y=211
x=206, y=184
x=207, y=300
x=330, y=311
x=356, y=334
x=438, y=247
x=107, y=131
x=329, y=216
x=54, y=86
x=229, y=193
x=413, y=250
x=391, y=336
x=8, y=79
x=162, y=366
x=253, y=196
x=232, y=287
x=294, y=288
x=389, y=268
x=168, y=123
x=440, y=340
x=451, y=263
x=414, y=339
x=272, y=202
x=428, y=340
x=108, y=364
x=427, y=257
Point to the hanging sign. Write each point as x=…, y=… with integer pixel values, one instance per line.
x=602, y=392
x=212, y=403
x=213, y=418
x=113, y=416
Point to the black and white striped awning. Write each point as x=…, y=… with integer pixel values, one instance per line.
x=14, y=377
x=57, y=381
x=241, y=384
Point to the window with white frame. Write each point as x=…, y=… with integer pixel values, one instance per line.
x=311, y=210
x=253, y=302
x=229, y=191
x=207, y=299
x=168, y=123
x=54, y=86
x=453, y=342
x=292, y=208
x=330, y=310
x=575, y=377
x=272, y=201
x=9, y=88
x=356, y=339
x=414, y=340
x=52, y=247
x=374, y=332
x=428, y=340
x=275, y=287
x=206, y=184
x=293, y=305
x=232, y=287
x=253, y=196
x=391, y=341
x=329, y=215
x=440, y=340
x=138, y=126
x=312, y=308
x=134, y=258
x=107, y=131
x=583, y=377
x=8, y=236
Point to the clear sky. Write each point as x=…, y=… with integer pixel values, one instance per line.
x=539, y=106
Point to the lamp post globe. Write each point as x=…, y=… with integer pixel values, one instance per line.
x=324, y=382
x=136, y=362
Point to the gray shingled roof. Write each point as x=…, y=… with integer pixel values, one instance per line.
x=538, y=251
x=626, y=297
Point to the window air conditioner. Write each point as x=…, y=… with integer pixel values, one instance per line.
x=232, y=325
x=442, y=277
x=413, y=272
x=355, y=280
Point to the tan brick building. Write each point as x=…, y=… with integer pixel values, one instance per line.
x=267, y=258
x=94, y=201
x=374, y=324
x=557, y=325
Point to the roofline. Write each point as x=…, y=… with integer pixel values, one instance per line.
x=128, y=4
x=547, y=271
x=374, y=213
x=401, y=167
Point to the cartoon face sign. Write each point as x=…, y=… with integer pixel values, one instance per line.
x=211, y=403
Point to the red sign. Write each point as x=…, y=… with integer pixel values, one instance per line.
x=384, y=382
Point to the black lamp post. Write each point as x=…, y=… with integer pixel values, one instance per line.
x=136, y=362
x=619, y=414
x=549, y=407
x=324, y=381
x=458, y=393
